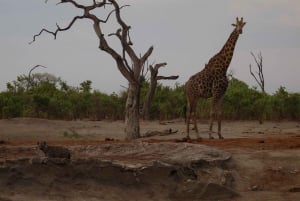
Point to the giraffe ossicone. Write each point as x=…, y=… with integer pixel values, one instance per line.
x=212, y=82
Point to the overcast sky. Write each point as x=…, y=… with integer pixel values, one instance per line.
x=185, y=34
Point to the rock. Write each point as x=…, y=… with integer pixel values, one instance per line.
x=146, y=154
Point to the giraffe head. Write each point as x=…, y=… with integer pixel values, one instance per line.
x=239, y=25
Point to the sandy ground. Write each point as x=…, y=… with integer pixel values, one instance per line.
x=266, y=156
x=30, y=129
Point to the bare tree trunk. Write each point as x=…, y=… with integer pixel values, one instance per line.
x=148, y=99
x=132, y=126
x=153, y=84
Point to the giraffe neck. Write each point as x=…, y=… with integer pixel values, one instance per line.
x=226, y=52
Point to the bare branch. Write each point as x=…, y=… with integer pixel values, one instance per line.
x=253, y=75
x=259, y=78
x=125, y=34
x=157, y=66
x=58, y=29
x=129, y=40
x=86, y=15
x=36, y=66
x=74, y=3
x=147, y=54
x=117, y=57
x=145, y=70
x=110, y=13
x=118, y=14
x=173, y=77
x=256, y=61
x=154, y=70
x=117, y=34
x=29, y=75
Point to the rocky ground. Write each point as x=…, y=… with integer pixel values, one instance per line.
x=254, y=162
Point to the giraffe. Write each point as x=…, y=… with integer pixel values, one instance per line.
x=212, y=82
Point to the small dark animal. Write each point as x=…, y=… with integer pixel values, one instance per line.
x=54, y=151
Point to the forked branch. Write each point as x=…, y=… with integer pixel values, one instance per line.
x=154, y=73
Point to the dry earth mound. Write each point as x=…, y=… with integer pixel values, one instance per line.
x=118, y=171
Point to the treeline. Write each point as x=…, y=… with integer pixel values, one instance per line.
x=45, y=96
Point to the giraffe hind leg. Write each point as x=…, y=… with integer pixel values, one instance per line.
x=212, y=116
x=195, y=124
x=188, y=117
x=194, y=116
x=191, y=114
x=211, y=123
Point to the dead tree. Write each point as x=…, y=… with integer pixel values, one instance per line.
x=30, y=80
x=152, y=87
x=122, y=58
x=259, y=76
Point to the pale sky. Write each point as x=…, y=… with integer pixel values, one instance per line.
x=185, y=34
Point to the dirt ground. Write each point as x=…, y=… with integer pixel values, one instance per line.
x=265, y=157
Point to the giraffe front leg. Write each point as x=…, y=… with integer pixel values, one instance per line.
x=214, y=106
x=195, y=125
x=211, y=121
x=219, y=129
x=219, y=125
x=220, y=111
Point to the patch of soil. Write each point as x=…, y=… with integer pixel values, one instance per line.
x=263, y=143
